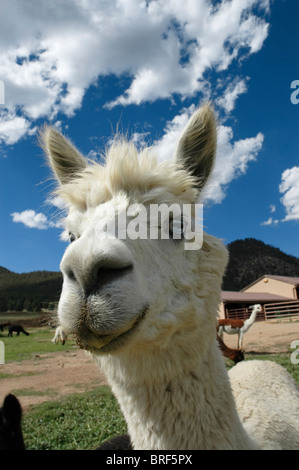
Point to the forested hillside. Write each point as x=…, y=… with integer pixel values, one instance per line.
x=249, y=260
x=28, y=291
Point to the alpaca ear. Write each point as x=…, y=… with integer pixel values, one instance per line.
x=65, y=160
x=197, y=146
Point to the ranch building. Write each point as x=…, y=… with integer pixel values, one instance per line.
x=279, y=296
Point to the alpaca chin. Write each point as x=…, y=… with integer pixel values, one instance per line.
x=107, y=343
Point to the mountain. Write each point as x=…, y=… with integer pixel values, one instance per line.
x=251, y=259
x=4, y=270
x=28, y=291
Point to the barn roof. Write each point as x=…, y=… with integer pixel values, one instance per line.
x=288, y=279
x=252, y=297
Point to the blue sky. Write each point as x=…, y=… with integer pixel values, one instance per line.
x=92, y=67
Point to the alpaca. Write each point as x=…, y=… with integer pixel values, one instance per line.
x=18, y=329
x=267, y=421
x=145, y=308
x=11, y=437
x=236, y=326
x=59, y=336
x=235, y=355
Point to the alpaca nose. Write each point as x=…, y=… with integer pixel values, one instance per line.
x=96, y=277
x=94, y=274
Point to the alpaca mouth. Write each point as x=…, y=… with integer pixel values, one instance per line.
x=108, y=343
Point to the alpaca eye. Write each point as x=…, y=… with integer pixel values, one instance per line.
x=176, y=228
x=72, y=237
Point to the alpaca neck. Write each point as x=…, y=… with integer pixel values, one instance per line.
x=250, y=320
x=179, y=406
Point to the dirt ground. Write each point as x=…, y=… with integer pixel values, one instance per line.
x=49, y=377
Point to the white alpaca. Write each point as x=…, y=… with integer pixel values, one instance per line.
x=146, y=308
x=273, y=421
x=233, y=326
x=59, y=336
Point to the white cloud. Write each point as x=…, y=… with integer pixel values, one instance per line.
x=13, y=127
x=270, y=221
x=31, y=219
x=51, y=52
x=290, y=187
x=232, y=161
x=209, y=37
x=228, y=99
x=57, y=202
x=38, y=220
x=272, y=208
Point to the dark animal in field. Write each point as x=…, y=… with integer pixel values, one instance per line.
x=18, y=329
x=11, y=437
x=4, y=325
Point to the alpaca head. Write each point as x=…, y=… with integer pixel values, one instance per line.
x=256, y=308
x=123, y=291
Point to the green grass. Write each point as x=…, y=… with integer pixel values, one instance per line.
x=78, y=422
x=18, y=348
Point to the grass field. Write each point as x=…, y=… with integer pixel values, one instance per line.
x=78, y=422
x=39, y=343
x=83, y=420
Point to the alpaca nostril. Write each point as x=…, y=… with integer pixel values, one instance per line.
x=105, y=275
x=71, y=275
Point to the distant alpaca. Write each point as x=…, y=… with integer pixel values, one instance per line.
x=11, y=437
x=59, y=336
x=236, y=326
x=235, y=355
x=18, y=329
x=145, y=308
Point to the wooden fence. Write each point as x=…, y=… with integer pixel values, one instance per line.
x=281, y=310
